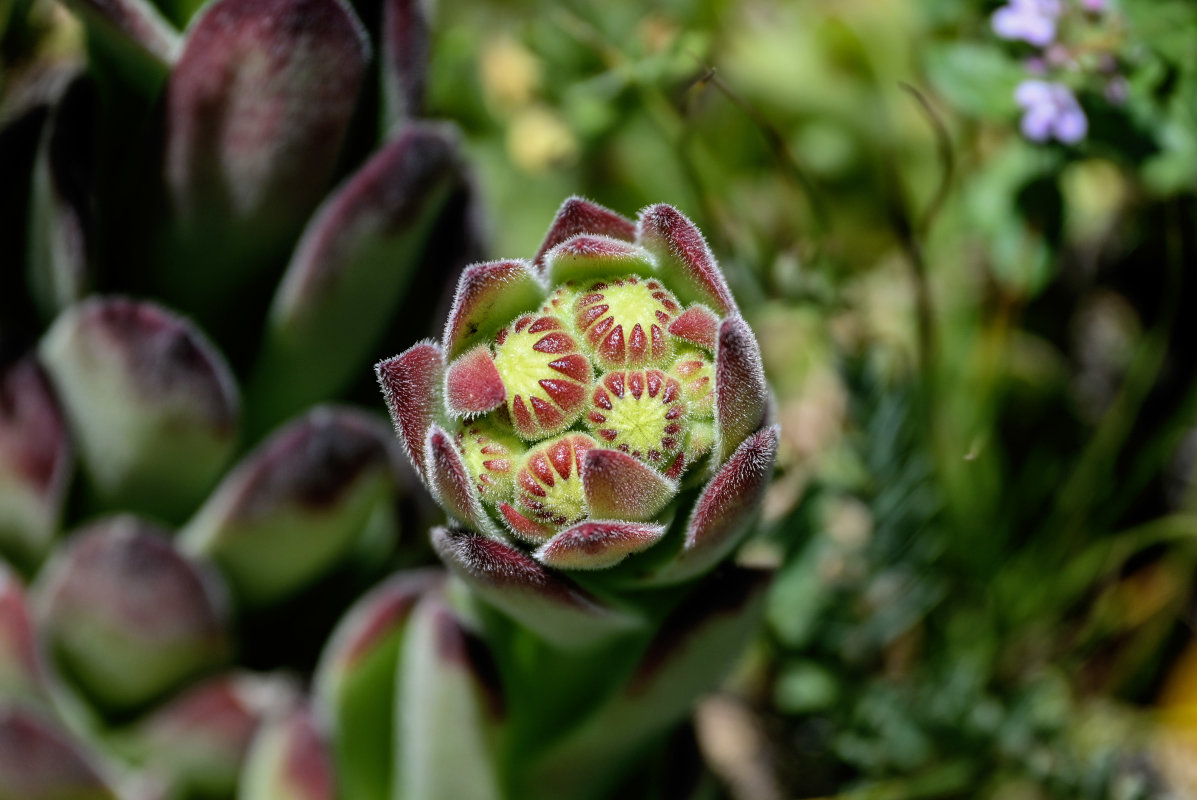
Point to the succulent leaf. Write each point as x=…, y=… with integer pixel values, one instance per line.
x=38, y=761
x=488, y=295
x=289, y=760
x=697, y=325
x=411, y=385
x=451, y=482
x=685, y=261
x=127, y=616
x=22, y=669
x=598, y=544
x=618, y=485
x=199, y=739
x=578, y=215
x=35, y=462
x=295, y=506
x=256, y=109
x=473, y=384
x=741, y=394
x=405, y=45
x=349, y=271
x=449, y=710
x=355, y=683
x=543, y=601
x=725, y=507
x=697, y=645
x=590, y=257
x=151, y=405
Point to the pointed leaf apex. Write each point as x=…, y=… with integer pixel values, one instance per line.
x=579, y=215
x=725, y=507
x=741, y=394
x=489, y=295
x=410, y=384
x=686, y=261
x=473, y=385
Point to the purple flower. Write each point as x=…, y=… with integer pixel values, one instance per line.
x=1032, y=21
x=1095, y=6
x=1050, y=110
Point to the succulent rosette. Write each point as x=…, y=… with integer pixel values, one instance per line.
x=601, y=407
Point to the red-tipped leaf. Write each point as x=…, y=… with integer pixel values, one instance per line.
x=591, y=256
x=741, y=394
x=489, y=295
x=411, y=385
x=38, y=761
x=598, y=544
x=725, y=508
x=473, y=384
x=35, y=462
x=579, y=215
x=685, y=260
x=545, y=602
x=619, y=486
x=257, y=106
x=451, y=483
x=698, y=325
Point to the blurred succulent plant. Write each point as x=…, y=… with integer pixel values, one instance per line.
x=595, y=421
x=213, y=234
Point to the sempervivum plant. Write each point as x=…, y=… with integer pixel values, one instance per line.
x=595, y=421
x=212, y=223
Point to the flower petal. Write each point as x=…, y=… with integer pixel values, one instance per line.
x=411, y=385
x=579, y=215
x=597, y=544
x=698, y=325
x=741, y=394
x=451, y=483
x=473, y=384
x=619, y=486
x=724, y=509
x=294, y=507
x=590, y=256
x=489, y=296
x=686, y=263
x=543, y=601
x=127, y=615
